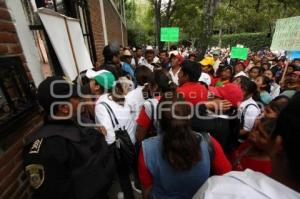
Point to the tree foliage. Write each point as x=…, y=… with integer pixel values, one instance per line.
x=230, y=16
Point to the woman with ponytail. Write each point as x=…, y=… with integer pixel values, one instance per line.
x=178, y=160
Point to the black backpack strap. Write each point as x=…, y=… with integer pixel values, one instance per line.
x=112, y=116
x=244, y=112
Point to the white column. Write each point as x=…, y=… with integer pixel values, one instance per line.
x=103, y=21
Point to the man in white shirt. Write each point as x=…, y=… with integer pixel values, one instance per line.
x=176, y=61
x=150, y=58
x=285, y=178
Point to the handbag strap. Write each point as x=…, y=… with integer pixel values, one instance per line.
x=112, y=115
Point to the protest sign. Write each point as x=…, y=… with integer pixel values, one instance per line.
x=170, y=34
x=287, y=34
x=239, y=53
x=293, y=55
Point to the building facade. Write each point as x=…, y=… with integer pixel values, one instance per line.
x=27, y=57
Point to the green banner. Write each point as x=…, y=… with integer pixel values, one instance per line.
x=239, y=53
x=170, y=34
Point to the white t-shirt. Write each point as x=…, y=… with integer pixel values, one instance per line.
x=135, y=101
x=250, y=114
x=174, y=76
x=242, y=73
x=244, y=185
x=275, y=90
x=122, y=114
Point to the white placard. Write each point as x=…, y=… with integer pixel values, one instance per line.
x=69, y=45
x=80, y=49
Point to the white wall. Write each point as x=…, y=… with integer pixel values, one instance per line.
x=26, y=39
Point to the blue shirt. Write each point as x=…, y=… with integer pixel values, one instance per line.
x=128, y=69
x=169, y=183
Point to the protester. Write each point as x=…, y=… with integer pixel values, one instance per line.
x=175, y=61
x=147, y=120
x=275, y=88
x=248, y=109
x=150, y=58
x=63, y=159
x=291, y=85
x=189, y=87
x=253, y=153
x=135, y=98
x=263, y=84
x=112, y=61
x=164, y=59
x=284, y=181
x=192, y=57
x=273, y=109
x=222, y=124
x=266, y=66
x=279, y=65
x=226, y=75
x=126, y=64
x=114, y=115
x=254, y=72
x=239, y=70
x=139, y=56
x=177, y=162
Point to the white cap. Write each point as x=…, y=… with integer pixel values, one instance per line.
x=127, y=53
x=90, y=73
x=205, y=78
x=149, y=48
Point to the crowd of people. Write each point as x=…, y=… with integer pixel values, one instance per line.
x=167, y=125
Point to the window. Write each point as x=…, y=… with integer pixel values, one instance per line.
x=16, y=96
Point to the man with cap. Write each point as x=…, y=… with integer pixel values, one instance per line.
x=223, y=125
x=62, y=159
x=126, y=63
x=150, y=58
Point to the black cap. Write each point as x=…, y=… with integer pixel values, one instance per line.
x=54, y=89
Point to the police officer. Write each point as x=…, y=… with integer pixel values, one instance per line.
x=62, y=159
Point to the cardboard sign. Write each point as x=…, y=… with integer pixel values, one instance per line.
x=239, y=53
x=287, y=34
x=170, y=34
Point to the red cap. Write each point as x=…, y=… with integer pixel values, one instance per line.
x=231, y=92
x=297, y=73
x=179, y=57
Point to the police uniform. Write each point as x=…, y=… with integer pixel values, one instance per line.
x=65, y=161
x=60, y=164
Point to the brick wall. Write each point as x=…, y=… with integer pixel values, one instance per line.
x=113, y=26
x=113, y=23
x=97, y=28
x=13, y=181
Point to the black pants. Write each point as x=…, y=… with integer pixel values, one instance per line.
x=123, y=171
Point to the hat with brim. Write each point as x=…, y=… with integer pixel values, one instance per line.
x=106, y=80
x=91, y=74
x=127, y=53
x=207, y=61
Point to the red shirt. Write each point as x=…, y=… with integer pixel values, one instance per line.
x=193, y=92
x=247, y=162
x=220, y=164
